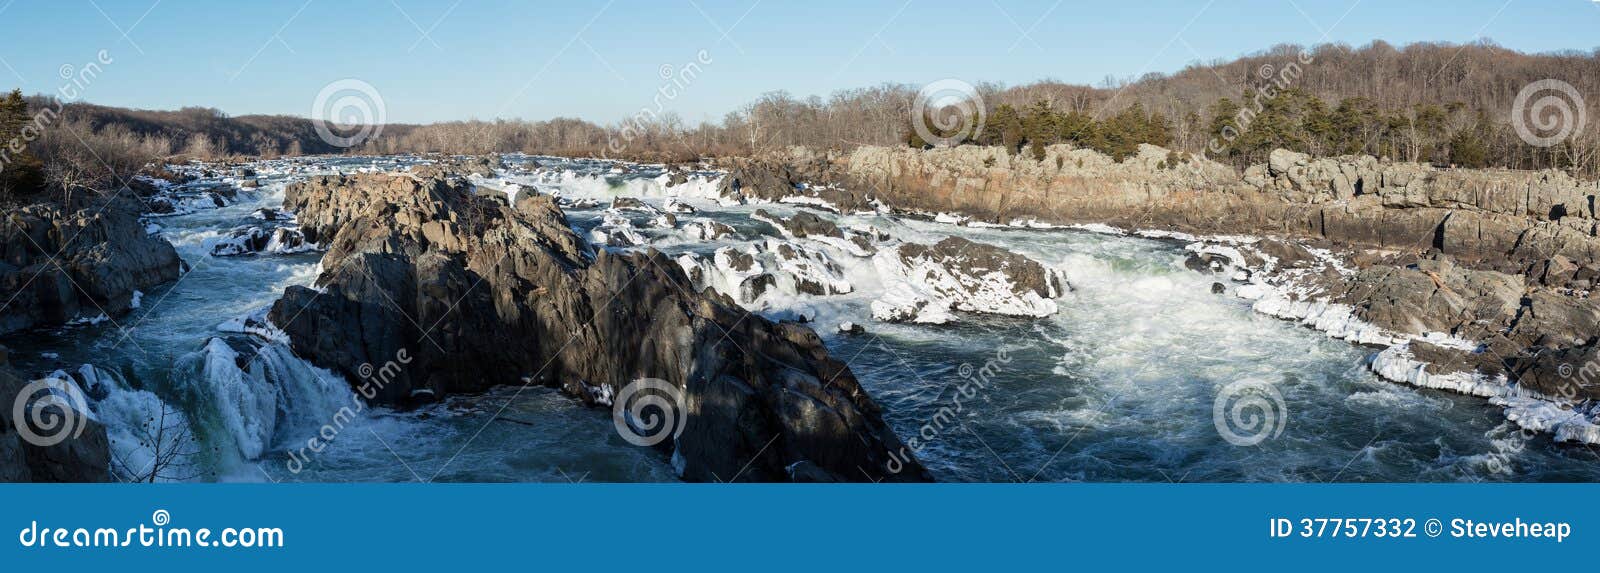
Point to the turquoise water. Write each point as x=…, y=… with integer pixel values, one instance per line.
x=1120, y=385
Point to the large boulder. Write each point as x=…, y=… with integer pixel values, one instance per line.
x=925, y=283
x=59, y=265
x=477, y=294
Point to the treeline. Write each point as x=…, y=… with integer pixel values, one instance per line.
x=43, y=150
x=1442, y=103
x=204, y=133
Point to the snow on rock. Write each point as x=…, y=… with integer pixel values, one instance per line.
x=809, y=226
x=706, y=230
x=735, y=272
x=924, y=284
x=255, y=324
x=811, y=271
x=675, y=205
x=616, y=230
x=773, y=266
x=252, y=240
x=809, y=201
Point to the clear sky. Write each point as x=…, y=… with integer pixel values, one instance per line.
x=447, y=59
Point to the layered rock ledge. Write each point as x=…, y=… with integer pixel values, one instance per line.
x=479, y=293
x=1478, y=281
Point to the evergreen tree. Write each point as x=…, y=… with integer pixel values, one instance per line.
x=1470, y=147
x=20, y=171
x=1224, y=127
x=1040, y=127
x=1007, y=128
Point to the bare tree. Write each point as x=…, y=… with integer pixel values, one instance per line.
x=172, y=450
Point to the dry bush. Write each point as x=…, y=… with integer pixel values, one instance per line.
x=80, y=160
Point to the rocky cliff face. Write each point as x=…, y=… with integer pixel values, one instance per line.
x=1504, y=260
x=478, y=293
x=56, y=266
x=1508, y=221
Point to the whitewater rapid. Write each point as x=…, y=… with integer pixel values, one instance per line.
x=1117, y=379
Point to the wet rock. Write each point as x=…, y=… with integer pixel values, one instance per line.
x=1435, y=296
x=707, y=230
x=805, y=225
x=271, y=214
x=251, y=240
x=579, y=319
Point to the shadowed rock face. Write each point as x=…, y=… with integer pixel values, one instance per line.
x=82, y=457
x=57, y=266
x=478, y=293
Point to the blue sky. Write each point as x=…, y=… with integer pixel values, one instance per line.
x=497, y=58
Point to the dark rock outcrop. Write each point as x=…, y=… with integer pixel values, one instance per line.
x=791, y=172
x=256, y=239
x=56, y=266
x=808, y=225
x=80, y=456
x=480, y=294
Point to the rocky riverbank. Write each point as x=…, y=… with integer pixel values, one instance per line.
x=476, y=291
x=1476, y=281
x=61, y=266
x=78, y=265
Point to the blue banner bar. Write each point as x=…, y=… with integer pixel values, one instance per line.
x=670, y=527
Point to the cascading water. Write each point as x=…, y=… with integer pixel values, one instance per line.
x=1122, y=382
